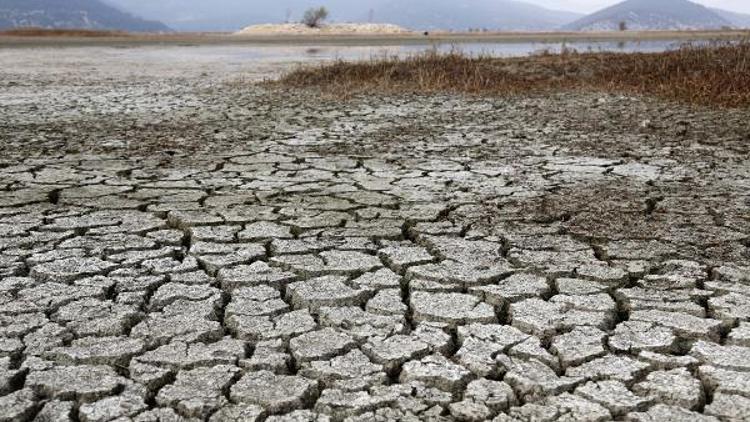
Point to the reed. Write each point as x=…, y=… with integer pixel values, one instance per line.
x=715, y=74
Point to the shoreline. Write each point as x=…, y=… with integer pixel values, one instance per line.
x=200, y=39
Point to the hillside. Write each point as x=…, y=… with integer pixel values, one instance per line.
x=232, y=15
x=651, y=15
x=738, y=20
x=84, y=14
x=463, y=14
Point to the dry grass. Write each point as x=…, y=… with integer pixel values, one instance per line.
x=705, y=75
x=42, y=32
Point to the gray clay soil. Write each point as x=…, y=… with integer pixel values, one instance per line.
x=179, y=243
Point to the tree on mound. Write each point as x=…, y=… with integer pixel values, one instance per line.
x=314, y=17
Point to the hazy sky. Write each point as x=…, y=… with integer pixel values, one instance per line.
x=587, y=6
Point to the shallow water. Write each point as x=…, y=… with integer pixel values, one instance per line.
x=328, y=52
x=256, y=62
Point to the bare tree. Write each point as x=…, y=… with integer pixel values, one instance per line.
x=314, y=17
x=623, y=26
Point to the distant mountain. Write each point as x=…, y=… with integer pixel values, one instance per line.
x=82, y=14
x=651, y=15
x=204, y=15
x=738, y=20
x=231, y=15
x=507, y=15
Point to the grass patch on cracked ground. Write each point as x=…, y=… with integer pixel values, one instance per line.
x=717, y=74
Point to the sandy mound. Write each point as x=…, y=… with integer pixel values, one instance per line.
x=337, y=28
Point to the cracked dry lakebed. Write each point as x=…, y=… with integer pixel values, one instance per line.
x=178, y=242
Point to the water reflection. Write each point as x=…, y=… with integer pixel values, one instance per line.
x=485, y=49
x=328, y=52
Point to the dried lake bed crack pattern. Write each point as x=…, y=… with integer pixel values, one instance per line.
x=184, y=248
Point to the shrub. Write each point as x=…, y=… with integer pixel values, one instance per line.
x=314, y=17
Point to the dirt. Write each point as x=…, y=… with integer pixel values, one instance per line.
x=148, y=201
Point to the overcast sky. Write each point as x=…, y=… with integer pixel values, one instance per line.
x=588, y=6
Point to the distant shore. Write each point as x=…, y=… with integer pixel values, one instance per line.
x=10, y=40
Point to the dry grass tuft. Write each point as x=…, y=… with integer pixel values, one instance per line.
x=703, y=75
x=43, y=32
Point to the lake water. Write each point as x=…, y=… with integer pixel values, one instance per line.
x=510, y=49
x=264, y=61
x=303, y=53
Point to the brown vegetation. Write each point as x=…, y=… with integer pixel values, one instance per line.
x=705, y=75
x=43, y=32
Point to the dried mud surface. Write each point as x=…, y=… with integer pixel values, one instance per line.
x=177, y=243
